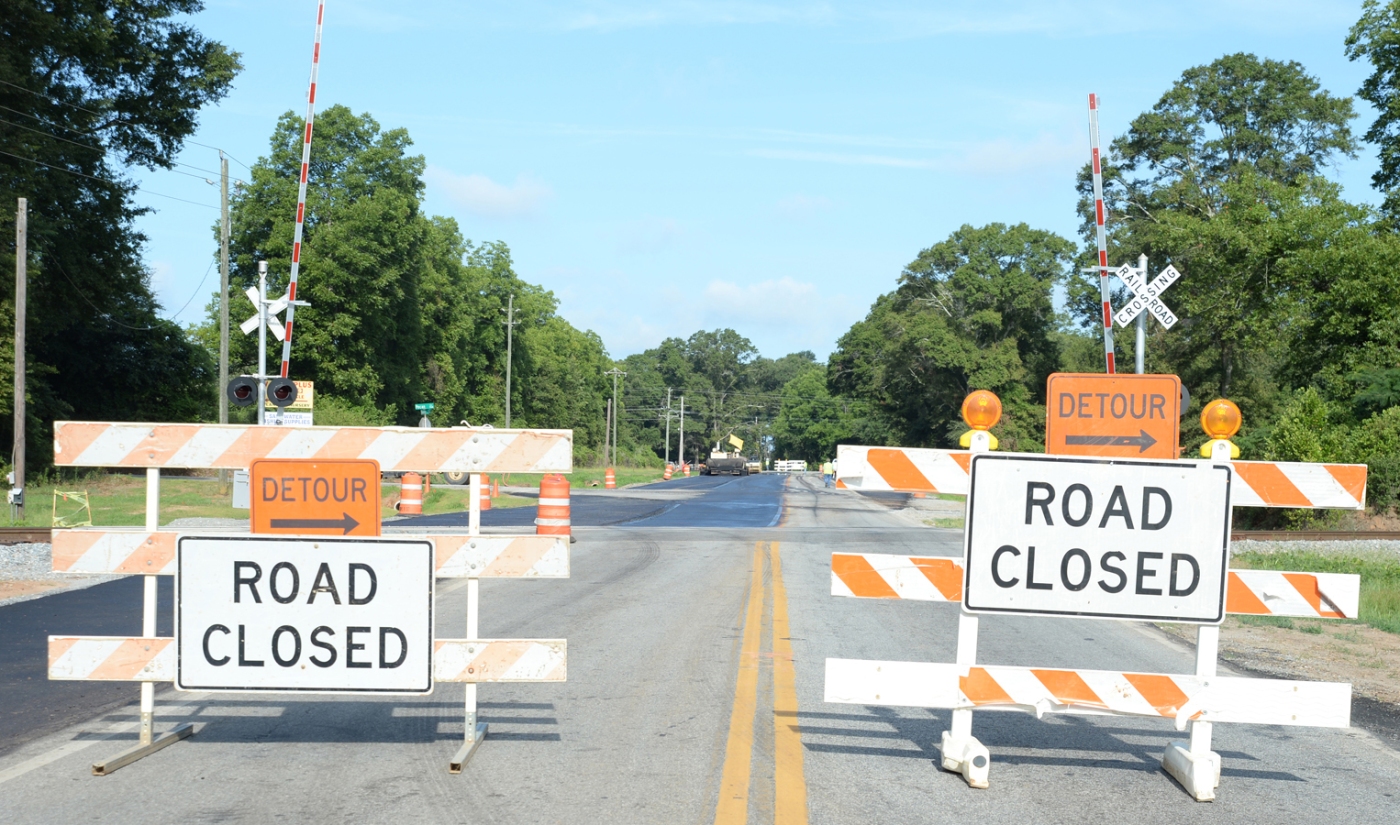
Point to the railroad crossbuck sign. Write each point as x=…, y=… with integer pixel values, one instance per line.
x=1097, y=538
x=1134, y=416
x=304, y=615
x=1146, y=296
x=315, y=496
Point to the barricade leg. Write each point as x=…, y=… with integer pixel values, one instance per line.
x=473, y=731
x=1193, y=763
x=148, y=742
x=959, y=750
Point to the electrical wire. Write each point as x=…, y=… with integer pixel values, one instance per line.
x=106, y=181
x=83, y=295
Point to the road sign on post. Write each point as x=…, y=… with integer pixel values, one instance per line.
x=1146, y=296
x=1132, y=416
x=1097, y=538
x=304, y=496
x=304, y=615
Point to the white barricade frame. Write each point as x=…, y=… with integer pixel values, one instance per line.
x=151, y=551
x=1196, y=701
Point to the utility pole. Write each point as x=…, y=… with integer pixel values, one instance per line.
x=607, y=432
x=756, y=435
x=262, y=340
x=21, y=290
x=223, y=300
x=510, y=340
x=667, y=449
x=680, y=447
x=1141, y=348
x=616, y=374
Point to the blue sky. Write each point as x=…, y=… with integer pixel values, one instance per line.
x=665, y=167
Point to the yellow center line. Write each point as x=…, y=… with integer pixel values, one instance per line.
x=733, y=808
x=790, y=799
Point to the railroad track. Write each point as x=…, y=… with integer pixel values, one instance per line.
x=25, y=535
x=18, y=535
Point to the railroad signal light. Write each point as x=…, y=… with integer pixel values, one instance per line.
x=282, y=392
x=981, y=410
x=243, y=391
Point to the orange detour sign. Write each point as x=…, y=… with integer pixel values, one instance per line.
x=1135, y=416
x=305, y=496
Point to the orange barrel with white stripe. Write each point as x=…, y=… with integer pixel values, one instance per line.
x=485, y=492
x=667, y=475
x=552, y=516
x=610, y=479
x=411, y=497
x=685, y=470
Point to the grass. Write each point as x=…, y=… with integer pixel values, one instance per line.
x=948, y=523
x=1380, y=579
x=119, y=500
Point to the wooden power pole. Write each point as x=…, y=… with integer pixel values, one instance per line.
x=21, y=284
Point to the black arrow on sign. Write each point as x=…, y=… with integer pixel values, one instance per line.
x=316, y=523
x=1142, y=441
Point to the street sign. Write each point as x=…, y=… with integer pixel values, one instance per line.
x=308, y=496
x=426, y=407
x=1097, y=538
x=1146, y=296
x=1133, y=416
x=304, y=614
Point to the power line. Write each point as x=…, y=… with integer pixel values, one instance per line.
x=106, y=181
x=196, y=291
x=83, y=295
x=100, y=150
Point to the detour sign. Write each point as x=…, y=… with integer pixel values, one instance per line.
x=1113, y=415
x=304, y=496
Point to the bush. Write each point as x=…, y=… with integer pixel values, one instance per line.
x=337, y=412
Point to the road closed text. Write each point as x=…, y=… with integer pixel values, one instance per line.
x=305, y=615
x=1092, y=537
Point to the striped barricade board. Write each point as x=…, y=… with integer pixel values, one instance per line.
x=1248, y=592
x=1258, y=483
x=235, y=447
x=135, y=551
x=1094, y=692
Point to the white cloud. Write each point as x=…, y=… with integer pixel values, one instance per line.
x=486, y=198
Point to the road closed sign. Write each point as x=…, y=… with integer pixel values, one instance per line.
x=338, y=497
x=319, y=615
x=1134, y=416
x=1097, y=538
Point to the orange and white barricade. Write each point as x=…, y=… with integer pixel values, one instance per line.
x=1259, y=483
x=1196, y=700
x=152, y=552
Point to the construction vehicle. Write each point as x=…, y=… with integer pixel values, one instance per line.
x=724, y=462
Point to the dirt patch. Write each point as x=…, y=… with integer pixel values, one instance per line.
x=16, y=589
x=1366, y=657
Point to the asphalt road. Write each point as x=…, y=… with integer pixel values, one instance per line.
x=695, y=696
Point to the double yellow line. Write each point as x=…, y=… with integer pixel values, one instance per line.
x=790, y=788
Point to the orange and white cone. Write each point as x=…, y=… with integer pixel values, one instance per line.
x=552, y=515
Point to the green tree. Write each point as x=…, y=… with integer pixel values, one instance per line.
x=971, y=312
x=89, y=88
x=1376, y=37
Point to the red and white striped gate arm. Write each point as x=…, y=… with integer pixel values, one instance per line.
x=236, y=446
x=301, y=191
x=1089, y=692
x=1257, y=483
x=152, y=553
x=1248, y=592
x=1100, y=235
